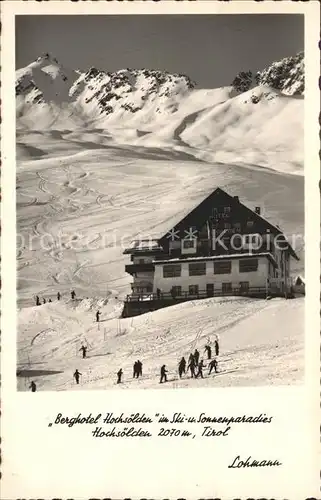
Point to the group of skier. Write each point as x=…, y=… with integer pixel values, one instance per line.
x=73, y=296
x=44, y=300
x=195, y=365
x=138, y=369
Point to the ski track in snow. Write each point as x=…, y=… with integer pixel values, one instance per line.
x=261, y=342
x=86, y=206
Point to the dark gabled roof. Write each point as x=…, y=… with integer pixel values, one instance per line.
x=198, y=216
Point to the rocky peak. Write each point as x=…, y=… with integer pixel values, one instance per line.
x=286, y=76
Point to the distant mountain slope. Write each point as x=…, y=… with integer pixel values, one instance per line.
x=247, y=121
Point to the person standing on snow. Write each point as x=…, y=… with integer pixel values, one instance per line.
x=58, y=296
x=119, y=375
x=181, y=367
x=76, y=375
x=73, y=294
x=84, y=351
x=37, y=301
x=208, y=349
x=196, y=356
x=200, y=369
x=44, y=300
x=216, y=347
x=135, y=370
x=139, y=368
x=212, y=365
x=163, y=374
x=192, y=366
x=33, y=386
x=97, y=316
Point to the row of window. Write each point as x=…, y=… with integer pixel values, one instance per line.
x=236, y=225
x=140, y=289
x=194, y=289
x=238, y=240
x=220, y=267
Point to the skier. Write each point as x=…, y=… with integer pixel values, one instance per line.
x=139, y=368
x=135, y=370
x=192, y=365
x=97, y=316
x=76, y=375
x=44, y=300
x=163, y=374
x=58, y=296
x=208, y=349
x=191, y=357
x=158, y=293
x=33, y=386
x=73, y=294
x=213, y=364
x=84, y=351
x=49, y=300
x=200, y=369
x=37, y=301
x=181, y=367
x=217, y=348
x=119, y=375
x=196, y=356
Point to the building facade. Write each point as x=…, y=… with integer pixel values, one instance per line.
x=221, y=247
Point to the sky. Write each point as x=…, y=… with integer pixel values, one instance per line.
x=210, y=49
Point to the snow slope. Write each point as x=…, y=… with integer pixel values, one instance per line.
x=91, y=179
x=76, y=212
x=261, y=343
x=153, y=108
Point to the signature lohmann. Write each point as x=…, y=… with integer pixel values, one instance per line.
x=251, y=462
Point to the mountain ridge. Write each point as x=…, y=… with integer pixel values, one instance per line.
x=244, y=122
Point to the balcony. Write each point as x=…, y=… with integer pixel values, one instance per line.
x=139, y=268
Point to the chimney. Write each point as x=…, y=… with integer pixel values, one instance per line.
x=236, y=198
x=258, y=210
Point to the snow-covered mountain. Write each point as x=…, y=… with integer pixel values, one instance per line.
x=247, y=120
x=105, y=158
x=286, y=75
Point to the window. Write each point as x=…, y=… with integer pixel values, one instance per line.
x=141, y=261
x=176, y=291
x=227, y=210
x=226, y=287
x=250, y=223
x=237, y=226
x=244, y=286
x=236, y=242
x=197, y=269
x=223, y=267
x=193, y=290
x=188, y=243
x=227, y=225
x=248, y=265
x=172, y=271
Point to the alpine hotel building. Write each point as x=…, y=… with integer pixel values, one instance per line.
x=220, y=248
